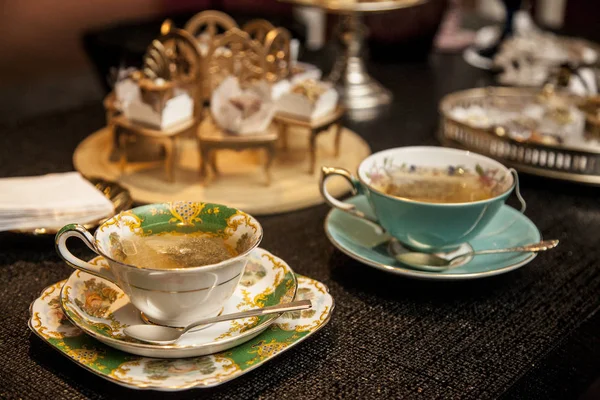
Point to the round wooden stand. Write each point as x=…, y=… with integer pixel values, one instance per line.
x=240, y=183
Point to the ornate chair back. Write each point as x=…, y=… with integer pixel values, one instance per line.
x=210, y=23
x=235, y=53
x=258, y=29
x=205, y=27
x=173, y=57
x=277, y=49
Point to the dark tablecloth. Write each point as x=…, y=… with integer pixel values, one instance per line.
x=529, y=334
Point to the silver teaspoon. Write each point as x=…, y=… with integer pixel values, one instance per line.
x=431, y=262
x=165, y=335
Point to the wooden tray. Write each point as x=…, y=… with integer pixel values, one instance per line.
x=241, y=183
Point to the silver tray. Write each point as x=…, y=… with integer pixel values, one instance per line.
x=548, y=160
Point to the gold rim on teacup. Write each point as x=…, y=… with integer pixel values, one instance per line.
x=172, y=296
x=424, y=225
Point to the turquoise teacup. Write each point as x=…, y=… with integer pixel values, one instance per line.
x=422, y=225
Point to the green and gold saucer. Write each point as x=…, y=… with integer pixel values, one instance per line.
x=49, y=322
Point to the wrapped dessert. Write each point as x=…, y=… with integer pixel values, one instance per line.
x=303, y=71
x=125, y=87
x=154, y=102
x=300, y=72
x=309, y=99
x=242, y=112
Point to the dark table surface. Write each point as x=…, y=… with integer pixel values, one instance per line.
x=528, y=334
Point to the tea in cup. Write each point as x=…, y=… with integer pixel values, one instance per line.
x=178, y=262
x=429, y=198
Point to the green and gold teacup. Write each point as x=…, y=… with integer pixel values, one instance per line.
x=174, y=296
x=422, y=225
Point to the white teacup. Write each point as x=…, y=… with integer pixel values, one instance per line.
x=176, y=296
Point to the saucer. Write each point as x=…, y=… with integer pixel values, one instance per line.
x=101, y=309
x=359, y=240
x=50, y=324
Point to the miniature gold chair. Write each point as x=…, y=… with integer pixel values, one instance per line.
x=209, y=22
x=277, y=49
x=174, y=58
x=258, y=29
x=246, y=60
x=315, y=128
x=277, y=44
x=205, y=27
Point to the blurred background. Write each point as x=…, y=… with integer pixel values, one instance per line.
x=56, y=53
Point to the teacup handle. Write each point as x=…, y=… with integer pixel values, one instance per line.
x=76, y=230
x=329, y=172
x=518, y=190
x=522, y=210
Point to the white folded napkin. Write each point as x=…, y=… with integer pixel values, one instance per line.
x=50, y=201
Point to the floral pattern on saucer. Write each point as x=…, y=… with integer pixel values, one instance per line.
x=138, y=372
x=49, y=319
x=253, y=273
x=102, y=310
x=97, y=298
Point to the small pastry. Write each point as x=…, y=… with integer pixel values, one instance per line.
x=310, y=88
x=247, y=104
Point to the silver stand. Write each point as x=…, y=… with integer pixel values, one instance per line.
x=349, y=74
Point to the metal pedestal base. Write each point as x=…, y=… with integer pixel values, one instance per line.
x=357, y=88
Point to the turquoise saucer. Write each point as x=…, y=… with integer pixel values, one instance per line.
x=359, y=240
